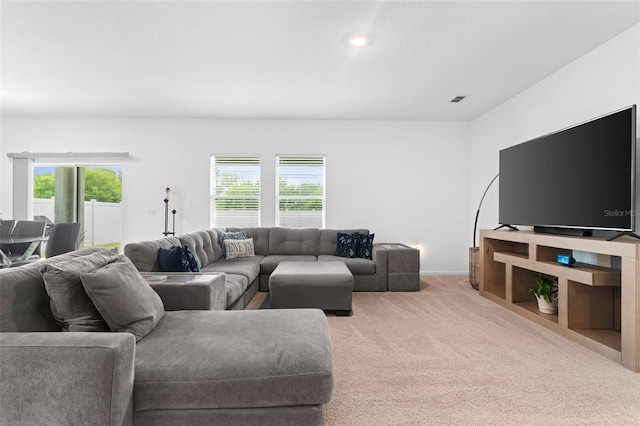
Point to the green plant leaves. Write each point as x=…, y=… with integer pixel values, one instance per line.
x=546, y=287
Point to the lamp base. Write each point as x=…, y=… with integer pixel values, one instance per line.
x=474, y=263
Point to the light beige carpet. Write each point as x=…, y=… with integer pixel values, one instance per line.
x=446, y=356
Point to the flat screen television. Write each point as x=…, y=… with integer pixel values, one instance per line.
x=579, y=178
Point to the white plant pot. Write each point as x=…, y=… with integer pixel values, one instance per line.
x=547, y=308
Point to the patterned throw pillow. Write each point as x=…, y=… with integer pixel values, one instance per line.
x=222, y=236
x=364, y=246
x=177, y=259
x=346, y=245
x=239, y=248
x=192, y=259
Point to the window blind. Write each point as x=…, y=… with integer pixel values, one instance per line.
x=300, y=191
x=235, y=191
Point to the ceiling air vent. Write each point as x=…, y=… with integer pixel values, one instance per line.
x=457, y=99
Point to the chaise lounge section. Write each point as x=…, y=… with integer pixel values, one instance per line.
x=193, y=367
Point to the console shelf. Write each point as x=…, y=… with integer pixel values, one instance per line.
x=598, y=306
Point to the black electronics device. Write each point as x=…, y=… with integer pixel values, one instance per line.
x=565, y=259
x=579, y=178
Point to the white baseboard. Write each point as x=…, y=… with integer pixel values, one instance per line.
x=444, y=272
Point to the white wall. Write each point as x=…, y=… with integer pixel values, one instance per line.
x=602, y=81
x=3, y=165
x=406, y=181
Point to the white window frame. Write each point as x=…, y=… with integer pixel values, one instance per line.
x=242, y=222
x=300, y=221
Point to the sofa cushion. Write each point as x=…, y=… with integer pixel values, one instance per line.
x=297, y=241
x=234, y=359
x=260, y=237
x=70, y=305
x=357, y=266
x=24, y=303
x=236, y=286
x=329, y=238
x=201, y=244
x=236, y=249
x=214, y=232
x=144, y=254
x=124, y=299
x=270, y=262
x=246, y=266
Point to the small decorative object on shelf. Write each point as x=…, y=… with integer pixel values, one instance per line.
x=546, y=291
x=166, y=215
x=565, y=259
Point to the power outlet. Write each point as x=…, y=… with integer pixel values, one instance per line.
x=152, y=212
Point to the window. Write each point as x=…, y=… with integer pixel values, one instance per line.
x=300, y=193
x=235, y=191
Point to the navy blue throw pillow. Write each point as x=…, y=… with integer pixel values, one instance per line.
x=192, y=259
x=364, y=247
x=177, y=259
x=346, y=245
x=170, y=260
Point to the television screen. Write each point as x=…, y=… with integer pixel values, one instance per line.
x=580, y=177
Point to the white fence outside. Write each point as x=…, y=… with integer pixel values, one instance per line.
x=102, y=221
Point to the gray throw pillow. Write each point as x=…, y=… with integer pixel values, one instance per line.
x=72, y=309
x=124, y=298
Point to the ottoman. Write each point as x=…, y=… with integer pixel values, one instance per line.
x=311, y=284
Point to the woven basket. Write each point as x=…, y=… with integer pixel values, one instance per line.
x=474, y=262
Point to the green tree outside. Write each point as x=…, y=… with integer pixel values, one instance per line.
x=303, y=191
x=234, y=187
x=102, y=185
x=43, y=186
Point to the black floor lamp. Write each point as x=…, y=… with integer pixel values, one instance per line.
x=474, y=251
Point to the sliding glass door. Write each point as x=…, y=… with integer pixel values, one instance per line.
x=91, y=195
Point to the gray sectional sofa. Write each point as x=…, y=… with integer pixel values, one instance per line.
x=245, y=276
x=193, y=368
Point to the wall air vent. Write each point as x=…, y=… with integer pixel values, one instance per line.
x=457, y=99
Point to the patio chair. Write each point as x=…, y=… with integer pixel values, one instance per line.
x=26, y=229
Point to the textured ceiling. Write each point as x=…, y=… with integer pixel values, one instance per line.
x=289, y=59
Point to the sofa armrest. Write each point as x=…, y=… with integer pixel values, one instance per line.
x=66, y=378
x=178, y=294
x=403, y=267
x=379, y=257
x=144, y=254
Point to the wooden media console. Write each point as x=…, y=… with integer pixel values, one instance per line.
x=598, y=301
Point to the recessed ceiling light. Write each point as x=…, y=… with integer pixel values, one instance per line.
x=358, y=40
x=457, y=99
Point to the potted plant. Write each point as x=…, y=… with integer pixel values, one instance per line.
x=546, y=291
